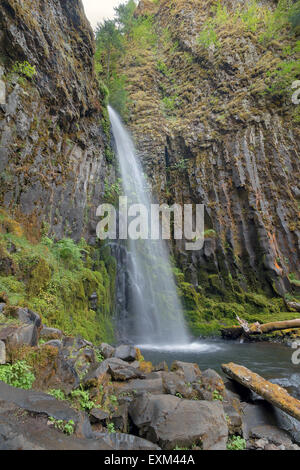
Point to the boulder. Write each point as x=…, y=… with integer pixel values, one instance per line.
x=59, y=373
x=209, y=384
x=121, y=372
x=126, y=353
x=190, y=372
x=98, y=416
x=138, y=386
x=50, y=333
x=43, y=404
x=2, y=353
x=16, y=335
x=170, y=421
x=271, y=434
x=106, y=350
x=111, y=366
x=25, y=315
x=55, y=343
x=79, y=354
x=175, y=385
x=120, y=418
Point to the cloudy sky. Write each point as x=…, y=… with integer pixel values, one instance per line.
x=96, y=10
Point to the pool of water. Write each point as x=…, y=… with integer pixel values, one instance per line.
x=272, y=361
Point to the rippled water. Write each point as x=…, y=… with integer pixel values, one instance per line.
x=272, y=361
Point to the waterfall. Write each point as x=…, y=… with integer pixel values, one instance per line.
x=150, y=311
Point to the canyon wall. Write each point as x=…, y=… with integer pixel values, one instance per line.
x=54, y=128
x=214, y=123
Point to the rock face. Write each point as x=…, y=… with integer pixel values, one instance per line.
x=209, y=131
x=52, y=143
x=172, y=421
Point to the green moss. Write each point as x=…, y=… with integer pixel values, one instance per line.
x=208, y=309
x=57, y=279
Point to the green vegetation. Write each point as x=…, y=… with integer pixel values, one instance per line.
x=217, y=396
x=56, y=279
x=293, y=279
x=24, y=68
x=58, y=394
x=111, y=428
x=236, y=443
x=113, y=38
x=81, y=397
x=17, y=375
x=67, y=427
x=218, y=299
x=112, y=191
x=253, y=17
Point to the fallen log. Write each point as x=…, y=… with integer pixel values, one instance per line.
x=272, y=393
x=257, y=328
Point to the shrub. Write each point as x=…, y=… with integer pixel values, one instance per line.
x=82, y=397
x=67, y=427
x=111, y=428
x=24, y=68
x=17, y=375
x=236, y=443
x=58, y=394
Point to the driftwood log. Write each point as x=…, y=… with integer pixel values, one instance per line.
x=247, y=329
x=272, y=393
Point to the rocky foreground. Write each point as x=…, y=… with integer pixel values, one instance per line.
x=77, y=395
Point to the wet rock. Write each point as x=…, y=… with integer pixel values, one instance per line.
x=55, y=343
x=25, y=315
x=271, y=434
x=41, y=403
x=175, y=385
x=118, y=372
x=103, y=368
x=190, y=372
x=261, y=414
x=107, y=350
x=79, y=354
x=99, y=416
x=171, y=421
x=50, y=333
x=138, y=386
x=22, y=431
x=120, y=418
x=2, y=353
x=17, y=335
x=126, y=353
x=62, y=375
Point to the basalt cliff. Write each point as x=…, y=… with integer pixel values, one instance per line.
x=210, y=105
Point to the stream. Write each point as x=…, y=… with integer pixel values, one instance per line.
x=270, y=360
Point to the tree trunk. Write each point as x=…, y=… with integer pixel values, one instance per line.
x=257, y=328
x=247, y=329
x=272, y=393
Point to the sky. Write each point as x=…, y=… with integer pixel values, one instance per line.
x=97, y=10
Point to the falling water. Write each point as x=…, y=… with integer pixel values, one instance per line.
x=150, y=311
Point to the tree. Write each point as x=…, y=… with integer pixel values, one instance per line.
x=125, y=16
x=109, y=44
